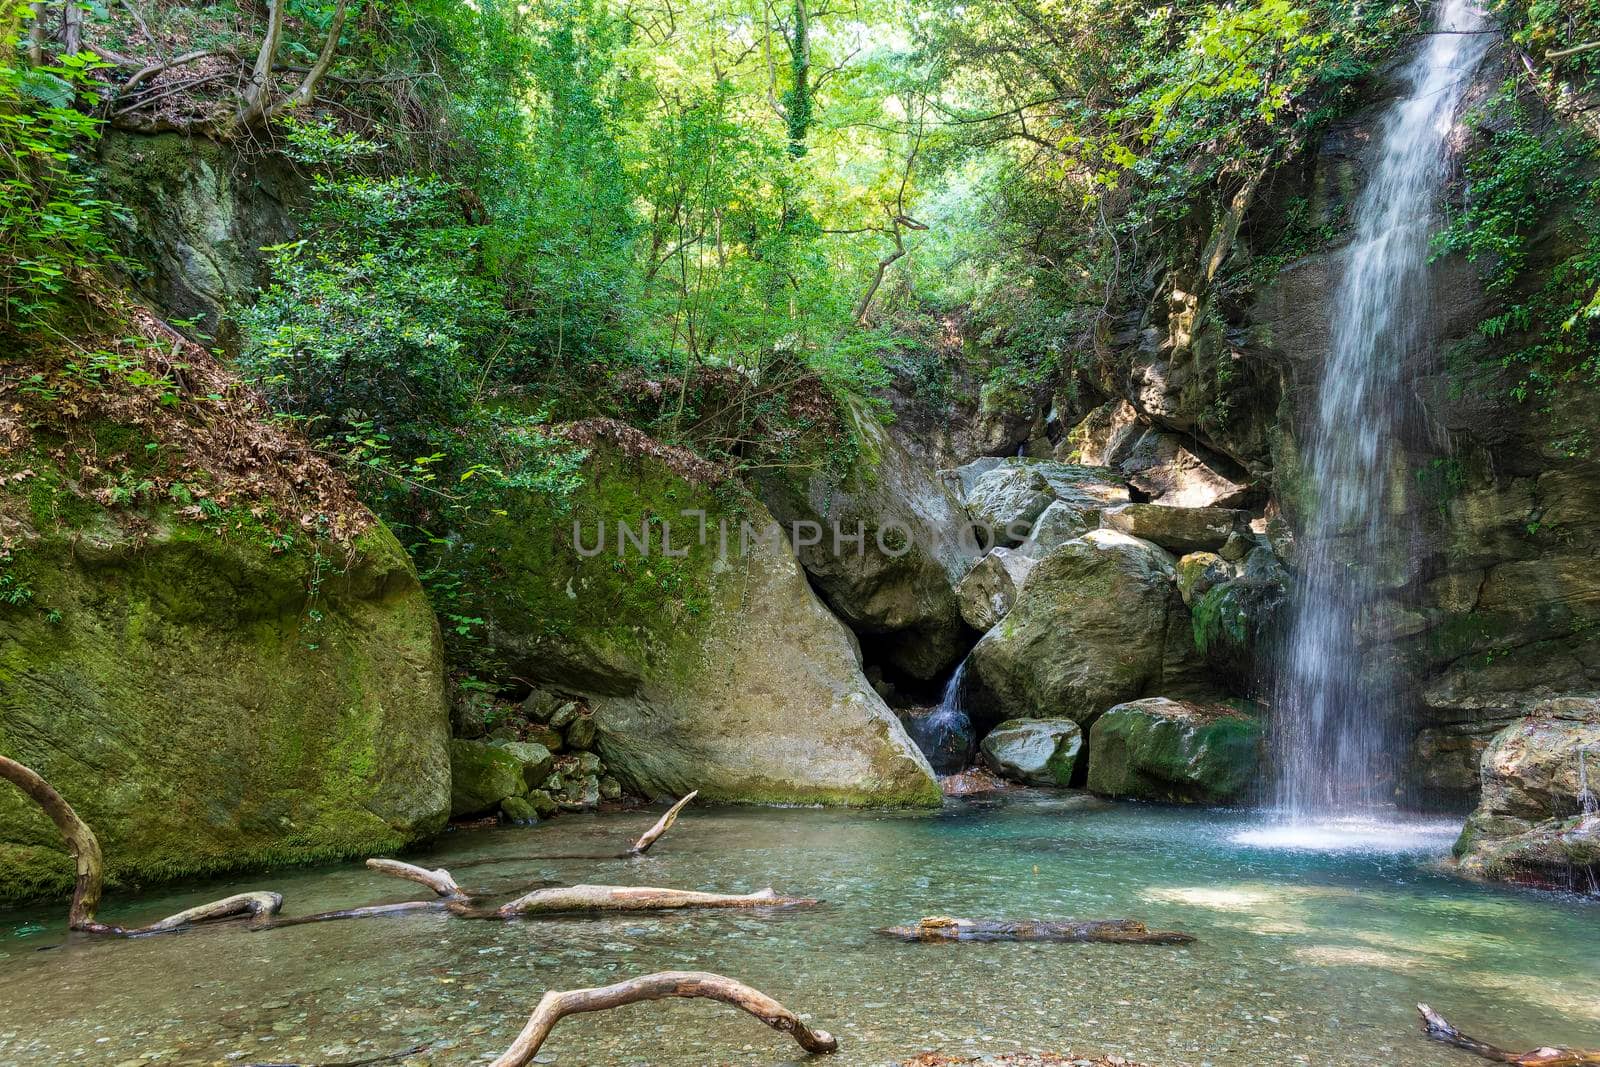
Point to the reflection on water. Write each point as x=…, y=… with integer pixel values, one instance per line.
x=1388, y=833
x=1322, y=954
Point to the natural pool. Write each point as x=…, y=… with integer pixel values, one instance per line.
x=1303, y=957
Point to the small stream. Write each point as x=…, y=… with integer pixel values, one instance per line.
x=1304, y=956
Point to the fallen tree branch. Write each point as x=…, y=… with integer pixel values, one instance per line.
x=663, y=824
x=1435, y=1027
x=257, y=905
x=581, y=898
x=1106, y=931
x=263, y=907
x=81, y=842
x=558, y=1004
x=150, y=70
x=440, y=881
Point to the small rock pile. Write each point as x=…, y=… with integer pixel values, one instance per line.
x=527, y=762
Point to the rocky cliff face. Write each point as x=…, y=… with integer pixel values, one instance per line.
x=1493, y=603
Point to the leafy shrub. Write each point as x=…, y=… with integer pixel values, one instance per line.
x=1531, y=220
x=51, y=219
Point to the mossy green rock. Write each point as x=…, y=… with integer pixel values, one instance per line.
x=1175, y=751
x=715, y=669
x=481, y=776
x=535, y=758
x=209, y=704
x=1098, y=622
x=518, y=809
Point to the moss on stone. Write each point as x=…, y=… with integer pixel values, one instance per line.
x=211, y=705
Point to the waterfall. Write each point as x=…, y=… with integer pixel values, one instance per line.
x=1335, y=711
x=945, y=733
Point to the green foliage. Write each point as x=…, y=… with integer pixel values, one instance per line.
x=1531, y=220
x=51, y=217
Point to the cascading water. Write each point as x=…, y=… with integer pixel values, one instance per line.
x=1334, y=715
x=945, y=733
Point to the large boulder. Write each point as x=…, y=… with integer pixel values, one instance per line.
x=1099, y=622
x=1168, y=468
x=708, y=661
x=884, y=545
x=1238, y=624
x=1034, y=751
x=211, y=701
x=1175, y=751
x=1014, y=501
x=1178, y=530
x=1538, y=815
x=1007, y=500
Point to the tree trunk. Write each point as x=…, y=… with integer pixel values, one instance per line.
x=557, y=1005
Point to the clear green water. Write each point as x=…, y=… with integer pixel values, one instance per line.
x=1303, y=957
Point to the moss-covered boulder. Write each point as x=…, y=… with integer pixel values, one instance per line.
x=1175, y=751
x=1098, y=622
x=213, y=701
x=1034, y=751
x=482, y=775
x=706, y=659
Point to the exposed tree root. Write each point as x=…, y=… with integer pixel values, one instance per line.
x=1109, y=931
x=1435, y=1026
x=558, y=1004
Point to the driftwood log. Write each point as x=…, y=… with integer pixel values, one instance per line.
x=663, y=824
x=81, y=842
x=1435, y=1027
x=557, y=1005
x=1108, y=931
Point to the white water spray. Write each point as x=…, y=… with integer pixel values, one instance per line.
x=1334, y=711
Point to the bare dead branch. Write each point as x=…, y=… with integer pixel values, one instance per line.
x=582, y=898
x=440, y=881
x=558, y=1004
x=150, y=70
x=663, y=824
x=1575, y=50
x=81, y=842
x=1435, y=1027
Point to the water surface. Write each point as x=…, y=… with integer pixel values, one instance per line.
x=1304, y=956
